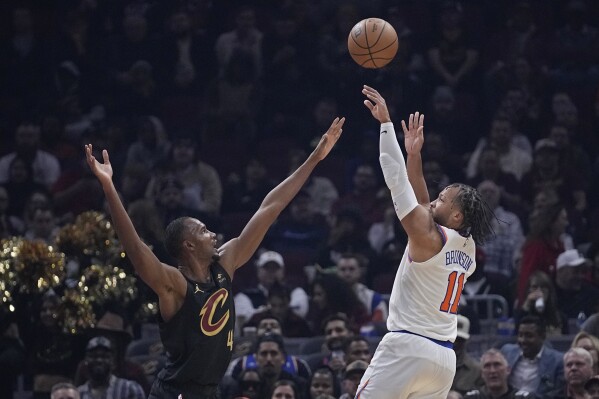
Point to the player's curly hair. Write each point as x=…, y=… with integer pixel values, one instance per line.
x=173, y=237
x=477, y=214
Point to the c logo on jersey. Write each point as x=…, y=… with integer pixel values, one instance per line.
x=207, y=325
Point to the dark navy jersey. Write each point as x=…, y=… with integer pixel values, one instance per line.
x=198, y=340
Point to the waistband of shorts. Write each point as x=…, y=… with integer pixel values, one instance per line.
x=192, y=389
x=446, y=344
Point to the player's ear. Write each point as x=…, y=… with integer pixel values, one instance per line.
x=188, y=245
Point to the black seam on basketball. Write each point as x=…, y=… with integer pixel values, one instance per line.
x=385, y=48
x=356, y=42
x=366, y=36
x=380, y=35
x=370, y=53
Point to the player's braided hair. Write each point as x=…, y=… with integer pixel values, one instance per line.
x=477, y=214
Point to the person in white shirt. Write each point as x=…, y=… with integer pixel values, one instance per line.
x=415, y=359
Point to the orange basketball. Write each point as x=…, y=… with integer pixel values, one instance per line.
x=372, y=43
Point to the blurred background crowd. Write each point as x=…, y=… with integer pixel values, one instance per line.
x=205, y=105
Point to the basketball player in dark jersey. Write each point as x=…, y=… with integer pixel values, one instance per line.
x=195, y=299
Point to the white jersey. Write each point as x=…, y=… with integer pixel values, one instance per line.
x=425, y=295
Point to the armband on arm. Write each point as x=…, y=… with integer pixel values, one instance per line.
x=394, y=169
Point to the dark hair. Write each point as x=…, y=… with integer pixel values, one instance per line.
x=356, y=338
x=280, y=291
x=329, y=371
x=333, y=317
x=173, y=236
x=551, y=313
x=340, y=296
x=541, y=219
x=532, y=319
x=287, y=383
x=477, y=214
x=276, y=338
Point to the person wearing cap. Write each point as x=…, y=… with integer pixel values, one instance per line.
x=102, y=383
x=495, y=372
x=535, y=367
x=592, y=387
x=64, y=390
x=351, y=378
x=468, y=371
x=195, y=299
x=578, y=369
x=574, y=294
x=112, y=326
x=270, y=270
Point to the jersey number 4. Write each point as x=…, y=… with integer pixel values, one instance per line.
x=447, y=305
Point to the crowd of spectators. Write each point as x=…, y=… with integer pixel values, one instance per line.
x=205, y=105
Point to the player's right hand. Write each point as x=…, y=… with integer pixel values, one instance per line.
x=376, y=104
x=103, y=171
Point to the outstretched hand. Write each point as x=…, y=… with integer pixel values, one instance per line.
x=103, y=171
x=376, y=104
x=329, y=139
x=414, y=133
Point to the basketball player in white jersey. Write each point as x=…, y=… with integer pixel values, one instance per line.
x=415, y=359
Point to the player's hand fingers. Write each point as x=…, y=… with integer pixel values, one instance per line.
x=105, y=156
x=403, y=126
x=368, y=105
x=421, y=122
x=416, y=119
x=411, y=122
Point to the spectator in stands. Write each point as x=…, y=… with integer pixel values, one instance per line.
x=245, y=193
x=453, y=56
x=324, y=382
x=10, y=225
x=99, y=357
x=512, y=159
x=250, y=385
x=64, y=390
x=336, y=330
x=245, y=38
x=535, y=367
x=301, y=229
x=331, y=295
x=112, y=326
x=468, y=370
x=362, y=197
x=169, y=200
x=351, y=268
x=351, y=378
x=544, y=242
x=592, y=387
x=277, y=305
x=323, y=192
x=202, y=189
x=20, y=185
x=578, y=369
x=270, y=362
x=270, y=269
x=43, y=226
x=495, y=373
x=542, y=301
x=44, y=165
x=500, y=250
x=292, y=365
x=357, y=348
x=285, y=389
x=13, y=356
x=574, y=293
x=152, y=146
x=591, y=344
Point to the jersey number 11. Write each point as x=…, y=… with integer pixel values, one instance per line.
x=447, y=305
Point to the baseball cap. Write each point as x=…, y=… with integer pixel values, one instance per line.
x=593, y=380
x=570, y=257
x=357, y=366
x=545, y=144
x=99, y=342
x=270, y=256
x=463, y=327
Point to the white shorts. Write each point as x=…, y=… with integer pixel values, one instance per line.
x=406, y=365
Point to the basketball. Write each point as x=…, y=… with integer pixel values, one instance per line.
x=372, y=43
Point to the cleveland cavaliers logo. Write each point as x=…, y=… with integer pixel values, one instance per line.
x=207, y=324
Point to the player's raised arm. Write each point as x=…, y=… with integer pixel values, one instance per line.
x=238, y=251
x=161, y=278
x=416, y=219
x=413, y=140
